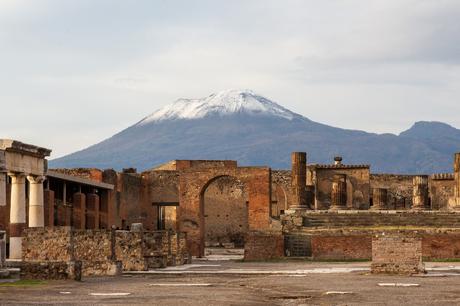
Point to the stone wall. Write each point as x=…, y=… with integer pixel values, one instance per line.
x=263, y=246
x=129, y=249
x=397, y=254
x=399, y=189
x=357, y=184
x=54, y=270
x=442, y=190
x=281, y=198
x=48, y=244
x=95, y=249
x=225, y=212
x=103, y=252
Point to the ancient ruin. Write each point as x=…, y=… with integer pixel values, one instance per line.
x=167, y=214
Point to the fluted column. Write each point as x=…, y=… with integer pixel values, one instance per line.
x=17, y=213
x=339, y=192
x=420, y=192
x=299, y=180
x=380, y=199
x=36, y=205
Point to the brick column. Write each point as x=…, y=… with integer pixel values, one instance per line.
x=79, y=201
x=36, y=205
x=420, y=193
x=49, y=207
x=2, y=189
x=92, y=200
x=17, y=213
x=380, y=199
x=299, y=180
x=339, y=192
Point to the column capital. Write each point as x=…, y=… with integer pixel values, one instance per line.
x=36, y=179
x=17, y=177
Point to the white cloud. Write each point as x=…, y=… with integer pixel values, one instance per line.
x=92, y=68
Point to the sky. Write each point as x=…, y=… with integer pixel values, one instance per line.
x=74, y=72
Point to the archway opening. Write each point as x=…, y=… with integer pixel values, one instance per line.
x=224, y=213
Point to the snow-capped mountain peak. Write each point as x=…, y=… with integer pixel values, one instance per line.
x=222, y=103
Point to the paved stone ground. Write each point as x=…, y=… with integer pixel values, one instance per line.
x=215, y=288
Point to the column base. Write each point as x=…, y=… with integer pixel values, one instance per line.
x=15, y=248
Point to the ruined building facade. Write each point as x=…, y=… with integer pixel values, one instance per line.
x=218, y=203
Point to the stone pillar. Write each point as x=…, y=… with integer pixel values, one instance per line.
x=380, y=198
x=339, y=192
x=299, y=180
x=2, y=189
x=36, y=206
x=457, y=179
x=17, y=213
x=420, y=193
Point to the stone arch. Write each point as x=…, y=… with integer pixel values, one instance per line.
x=193, y=183
x=279, y=200
x=224, y=212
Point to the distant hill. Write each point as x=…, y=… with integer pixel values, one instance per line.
x=249, y=128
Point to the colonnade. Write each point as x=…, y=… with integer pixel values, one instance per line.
x=18, y=208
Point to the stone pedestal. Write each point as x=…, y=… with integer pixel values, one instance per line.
x=36, y=206
x=299, y=181
x=420, y=200
x=380, y=199
x=17, y=213
x=339, y=192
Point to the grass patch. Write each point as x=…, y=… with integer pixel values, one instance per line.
x=23, y=283
x=305, y=259
x=441, y=259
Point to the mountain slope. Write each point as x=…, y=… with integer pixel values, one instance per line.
x=244, y=126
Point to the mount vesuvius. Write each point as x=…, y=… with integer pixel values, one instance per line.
x=244, y=126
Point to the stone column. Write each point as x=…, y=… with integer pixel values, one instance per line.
x=339, y=192
x=36, y=206
x=17, y=213
x=420, y=192
x=299, y=180
x=380, y=199
x=457, y=179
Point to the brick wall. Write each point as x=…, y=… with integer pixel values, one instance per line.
x=263, y=246
x=397, y=254
x=441, y=246
x=341, y=247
